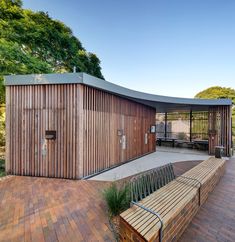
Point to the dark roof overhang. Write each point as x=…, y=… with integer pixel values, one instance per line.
x=161, y=103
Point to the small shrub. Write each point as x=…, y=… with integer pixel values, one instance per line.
x=182, y=136
x=2, y=168
x=117, y=198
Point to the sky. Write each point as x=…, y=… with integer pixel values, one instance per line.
x=165, y=47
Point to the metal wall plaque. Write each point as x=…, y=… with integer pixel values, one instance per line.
x=50, y=134
x=153, y=129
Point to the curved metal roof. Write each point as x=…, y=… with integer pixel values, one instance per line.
x=161, y=103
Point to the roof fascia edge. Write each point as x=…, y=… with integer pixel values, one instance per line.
x=119, y=90
x=39, y=79
x=86, y=79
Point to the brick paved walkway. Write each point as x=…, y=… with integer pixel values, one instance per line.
x=216, y=218
x=50, y=210
x=42, y=209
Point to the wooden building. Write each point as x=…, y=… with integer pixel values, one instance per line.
x=74, y=125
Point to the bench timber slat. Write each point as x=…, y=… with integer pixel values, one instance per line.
x=177, y=203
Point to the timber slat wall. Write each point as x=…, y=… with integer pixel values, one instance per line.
x=30, y=111
x=104, y=115
x=86, y=121
x=220, y=133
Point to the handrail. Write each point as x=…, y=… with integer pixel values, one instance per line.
x=154, y=213
x=199, y=189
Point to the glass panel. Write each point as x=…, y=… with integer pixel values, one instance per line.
x=200, y=126
x=178, y=125
x=160, y=125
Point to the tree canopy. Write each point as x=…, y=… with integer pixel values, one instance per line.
x=217, y=92
x=32, y=42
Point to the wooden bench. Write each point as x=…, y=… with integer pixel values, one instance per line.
x=176, y=203
x=201, y=144
x=186, y=143
x=168, y=140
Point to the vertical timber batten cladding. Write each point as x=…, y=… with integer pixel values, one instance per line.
x=87, y=139
x=74, y=125
x=31, y=110
x=104, y=116
x=220, y=129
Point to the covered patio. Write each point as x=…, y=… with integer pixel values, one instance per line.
x=202, y=125
x=202, y=130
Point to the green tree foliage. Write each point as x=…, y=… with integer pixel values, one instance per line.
x=32, y=42
x=14, y=60
x=220, y=92
x=217, y=92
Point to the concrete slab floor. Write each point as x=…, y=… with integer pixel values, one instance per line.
x=162, y=156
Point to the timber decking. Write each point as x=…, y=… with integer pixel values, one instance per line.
x=176, y=203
